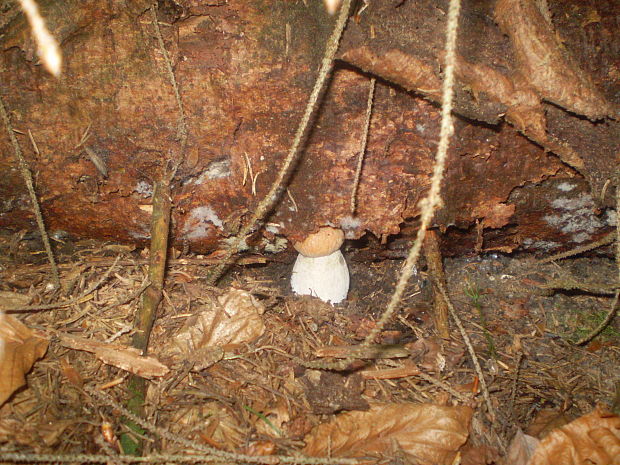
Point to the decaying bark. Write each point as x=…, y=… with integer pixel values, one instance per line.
x=530, y=160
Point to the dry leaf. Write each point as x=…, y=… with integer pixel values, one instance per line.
x=126, y=358
x=21, y=346
x=236, y=320
x=593, y=439
x=10, y=299
x=429, y=434
x=521, y=448
x=69, y=372
x=213, y=423
x=545, y=421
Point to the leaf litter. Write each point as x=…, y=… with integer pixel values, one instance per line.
x=232, y=380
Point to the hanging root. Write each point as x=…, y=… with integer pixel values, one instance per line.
x=279, y=185
x=360, y=160
x=433, y=199
x=182, y=129
x=25, y=171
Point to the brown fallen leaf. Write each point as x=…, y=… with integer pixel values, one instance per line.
x=70, y=373
x=9, y=299
x=545, y=421
x=593, y=439
x=126, y=358
x=429, y=434
x=20, y=347
x=235, y=319
x=521, y=448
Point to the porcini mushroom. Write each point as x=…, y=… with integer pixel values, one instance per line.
x=320, y=269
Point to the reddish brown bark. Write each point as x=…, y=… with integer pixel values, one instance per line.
x=245, y=70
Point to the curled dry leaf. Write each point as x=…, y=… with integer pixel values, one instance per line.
x=127, y=358
x=235, y=319
x=593, y=439
x=429, y=434
x=21, y=347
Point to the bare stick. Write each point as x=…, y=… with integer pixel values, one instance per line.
x=360, y=160
x=25, y=171
x=279, y=185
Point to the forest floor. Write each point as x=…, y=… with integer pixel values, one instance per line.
x=239, y=385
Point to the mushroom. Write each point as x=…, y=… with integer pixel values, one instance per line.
x=320, y=269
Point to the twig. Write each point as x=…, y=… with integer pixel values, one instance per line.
x=216, y=454
x=182, y=129
x=160, y=225
x=470, y=349
x=435, y=268
x=363, y=143
x=614, y=303
x=608, y=239
x=69, y=302
x=25, y=171
x=279, y=184
x=145, y=317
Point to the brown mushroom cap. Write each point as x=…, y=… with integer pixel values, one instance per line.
x=323, y=242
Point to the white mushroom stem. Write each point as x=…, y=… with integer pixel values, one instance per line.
x=324, y=277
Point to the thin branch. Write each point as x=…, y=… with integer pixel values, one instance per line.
x=27, y=175
x=279, y=184
x=364, y=142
